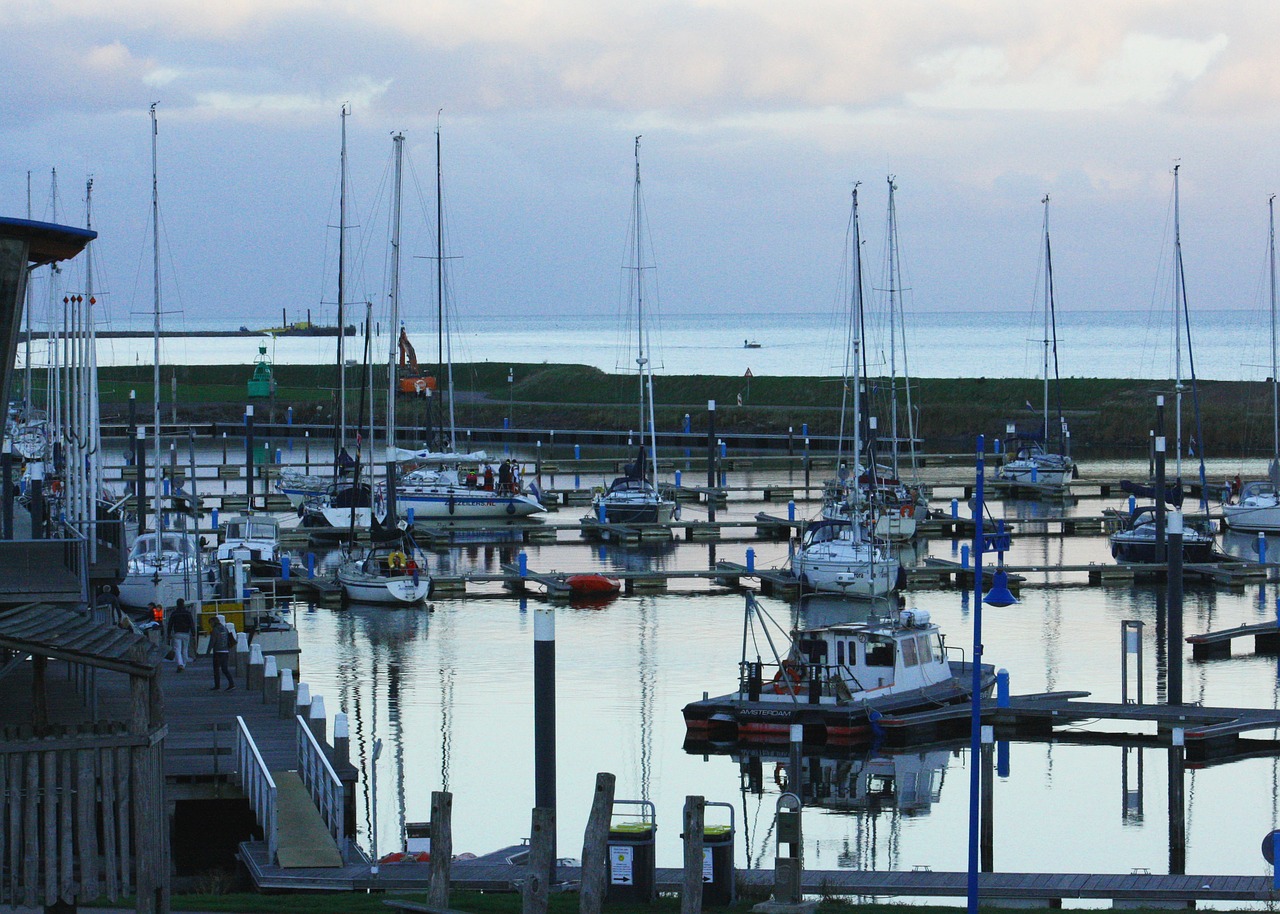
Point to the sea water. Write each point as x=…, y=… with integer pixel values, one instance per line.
x=1227, y=345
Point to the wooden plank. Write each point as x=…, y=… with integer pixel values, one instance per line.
x=30, y=828
x=67, y=887
x=86, y=823
x=111, y=811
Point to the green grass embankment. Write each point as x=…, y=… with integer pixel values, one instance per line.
x=1105, y=415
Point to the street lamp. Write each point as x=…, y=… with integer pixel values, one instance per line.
x=999, y=595
x=373, y=801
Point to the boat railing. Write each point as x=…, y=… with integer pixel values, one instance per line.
x=802, y=681
x=258, y=785
x=322, y=783
x=954, y=649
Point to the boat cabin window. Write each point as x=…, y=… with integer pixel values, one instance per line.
x=814, y=649
x=909, y=656
x=931, y=648
x=233, y=532
x=839, y=653
x=879, y=651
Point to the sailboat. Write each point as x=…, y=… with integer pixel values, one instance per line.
x=1139, y=540
x=1258, y=509
x=166, y=564
x=435, y=486
x=898, y=505
x=393, y=572
x=838, y=553
x=1033, y=464
x=344, y=504
x=633, y=498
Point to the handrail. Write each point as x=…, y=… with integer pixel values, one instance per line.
x=322, y=782
x=258, y=785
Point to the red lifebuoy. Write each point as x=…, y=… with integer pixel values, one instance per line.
x=790, y=670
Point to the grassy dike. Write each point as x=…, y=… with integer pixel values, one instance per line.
x=1106, y=416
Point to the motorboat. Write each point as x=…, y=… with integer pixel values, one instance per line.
x=1135, y=542
x=391, y=574
x=839, y=556
x=163, y=567
x=835, y=681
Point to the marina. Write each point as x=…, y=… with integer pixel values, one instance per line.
x=1132, y=730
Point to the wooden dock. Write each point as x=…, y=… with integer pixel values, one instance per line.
x=504, y=871
x=1213, y=645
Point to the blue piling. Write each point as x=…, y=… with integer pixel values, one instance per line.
x=577, y=452
x=964, y=555
x=1002, y=758
x=522, y=561
x=284, y=567
x=791, y=510
x=311, y=566
x=215, y=519
x=1133, y=503
x=677, y=479
x=996, y=448
x=1035, y=473
x=409, y=515
x=600, y=512
x=955, y=509
x=1002, y=688
x=724, y=448
x=804, y=429
x=751, y=559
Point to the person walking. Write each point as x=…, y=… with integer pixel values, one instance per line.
x=181, y=626
x=220, y=648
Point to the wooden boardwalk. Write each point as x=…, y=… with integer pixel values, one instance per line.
x=1210, y=645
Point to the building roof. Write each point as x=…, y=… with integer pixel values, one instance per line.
x=48, y=242
x=50, y=631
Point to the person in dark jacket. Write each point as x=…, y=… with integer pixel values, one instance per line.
x=180, y=629
x=220, y=648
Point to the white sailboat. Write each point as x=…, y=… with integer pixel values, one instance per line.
x=162, y=565
x=1033, y=464
x=838, y=553
x=436, y=489
x=1258, y=508
x=634, y=498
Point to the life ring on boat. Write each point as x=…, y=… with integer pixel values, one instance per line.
x=396, y=560
x=789, y=671
x=907, y=510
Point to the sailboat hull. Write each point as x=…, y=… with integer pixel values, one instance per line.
x=446, y=503
x=1254, y=515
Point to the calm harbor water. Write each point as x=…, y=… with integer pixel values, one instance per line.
x=450, y=694
x=1228, y=345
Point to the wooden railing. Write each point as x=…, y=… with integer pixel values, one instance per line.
x=258, y=785
x=322, y=783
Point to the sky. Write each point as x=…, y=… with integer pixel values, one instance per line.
x=757, y=118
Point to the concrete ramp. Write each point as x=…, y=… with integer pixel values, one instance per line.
x=303, y=839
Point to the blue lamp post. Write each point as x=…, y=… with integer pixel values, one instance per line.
x=999, y=595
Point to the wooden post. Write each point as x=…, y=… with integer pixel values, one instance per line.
x=691, y=893
x=441, y=848
x=537, y=878
x=240, y=657
x=316, y=720
x=287, y=695
x=270, y=682
x=595, y=847
x=39, y=697
x=254, y=675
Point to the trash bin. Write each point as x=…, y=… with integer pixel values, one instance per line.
x=632, y=861
x=717, y=865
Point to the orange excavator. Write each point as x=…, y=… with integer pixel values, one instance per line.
x=410, y=380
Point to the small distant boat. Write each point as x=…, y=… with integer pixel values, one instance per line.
x=836, y=680
x=592, y=585
x=750, y=344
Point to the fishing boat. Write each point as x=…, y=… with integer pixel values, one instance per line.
x=258, y=535
x=1258, y=508
x=1032, y=465
x=163, y=567
x=391, y=574
x=835, y=681
x=634, y=498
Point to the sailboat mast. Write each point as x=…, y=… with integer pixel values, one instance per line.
x=394, y=334
x=1177, y=323
x=855, y=342
x=155, y=328
x=642, y=359
x=444, y=360
x=1275, y=381
x=1048, y=305
x=893, y=322
x=341, y=440
x=26, y=307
